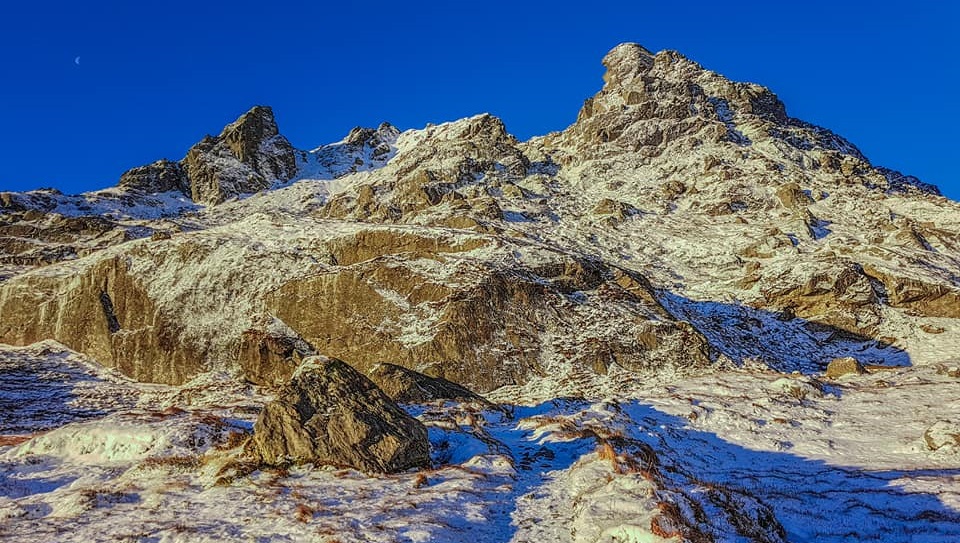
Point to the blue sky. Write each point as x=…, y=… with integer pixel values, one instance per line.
x=155, y=77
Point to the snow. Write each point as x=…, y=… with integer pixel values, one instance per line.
x=846, y=459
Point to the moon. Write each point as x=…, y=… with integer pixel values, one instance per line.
x=76, y=61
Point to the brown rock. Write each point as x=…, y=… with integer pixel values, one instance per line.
x=792, y=197
x=839, y=367
x=103, y=312
x=942, y=434
x=408, y=386
x=270, y=355
x=834, y=293
x=916, y=295
x=331, y=414
x=613, y=208
x=161, y=176
x=248, y=156
x=483, y=327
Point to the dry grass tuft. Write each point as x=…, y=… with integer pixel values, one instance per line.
x=234, y=439
x=671, y=524
x=172, y=462
x=305, y=513
x=643, y=461
x=606, y=452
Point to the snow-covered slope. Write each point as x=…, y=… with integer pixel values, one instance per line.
x=744, y=455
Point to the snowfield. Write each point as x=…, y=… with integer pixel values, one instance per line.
x=844, y=460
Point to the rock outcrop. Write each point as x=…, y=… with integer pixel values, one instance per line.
x=407, y=386
x=837, y=294
x=848, y=365
x=453, y=306
x=440, y=181
x=271, y=351
x=248, y=156
x=942, y=434
x=331, y=414
x=105, y=312
x=161, y=176
x=917, y=295
x=485, y=326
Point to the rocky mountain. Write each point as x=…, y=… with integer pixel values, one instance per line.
x=684, y=228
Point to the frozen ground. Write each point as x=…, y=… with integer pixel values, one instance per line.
x=89, y=456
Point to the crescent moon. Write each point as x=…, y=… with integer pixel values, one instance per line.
x=76, y=61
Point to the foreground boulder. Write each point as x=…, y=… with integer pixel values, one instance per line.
x=408, y=386
x=331, y=414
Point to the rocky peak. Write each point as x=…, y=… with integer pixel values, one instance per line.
x=484, y=127
x=634, y=74
x=385, y=134
x=899, y=182
x=653, y=105
x=625, y=62
x=248, y=156
x=363, y=149
x=246, y=135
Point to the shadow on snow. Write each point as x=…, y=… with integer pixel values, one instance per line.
x=812, y=499
x=783, y=342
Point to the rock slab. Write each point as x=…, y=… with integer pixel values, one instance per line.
x=409, y=386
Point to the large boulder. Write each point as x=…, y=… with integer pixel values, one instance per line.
x=331, y=414
x=270, y=352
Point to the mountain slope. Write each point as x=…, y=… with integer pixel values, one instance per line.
x=650, y=295
x=737, y=215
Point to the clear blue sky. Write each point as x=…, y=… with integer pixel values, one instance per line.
x=154, y=77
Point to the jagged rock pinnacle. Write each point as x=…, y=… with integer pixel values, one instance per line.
x=248, y=156
x=626, y=61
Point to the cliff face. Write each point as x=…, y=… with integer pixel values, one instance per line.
x=682, y=220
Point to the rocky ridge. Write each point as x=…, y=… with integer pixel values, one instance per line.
x=498, y=246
